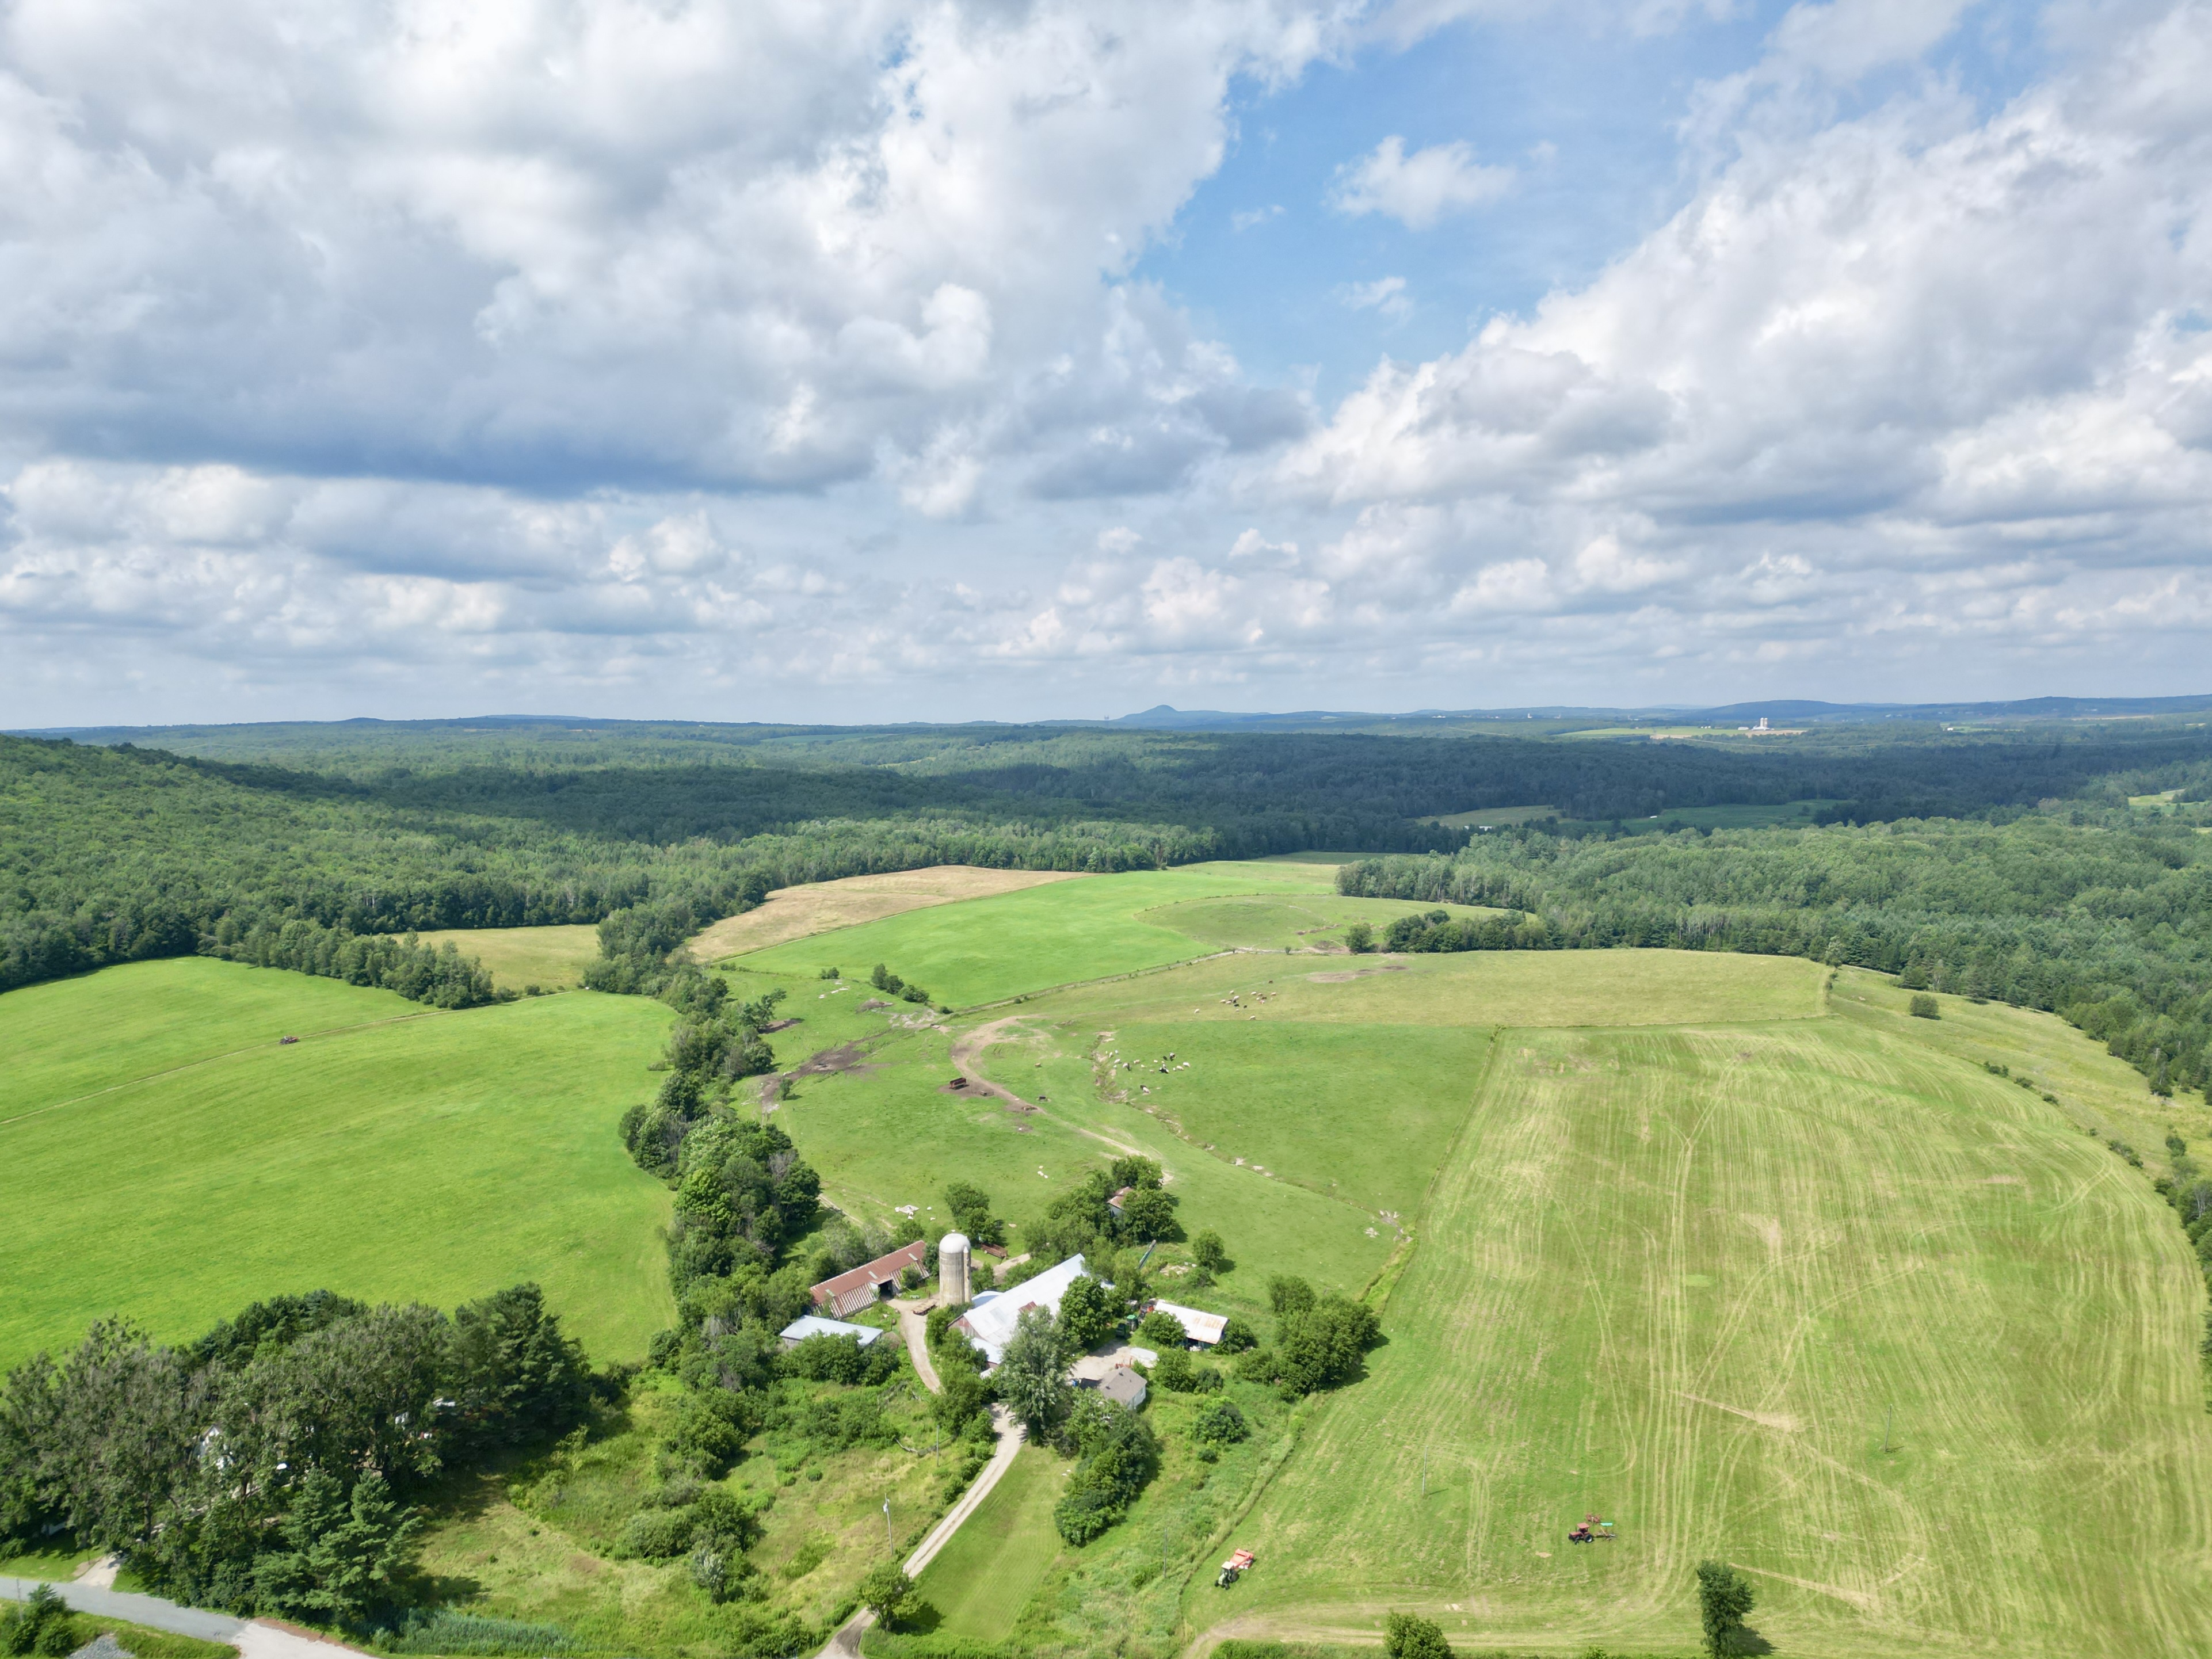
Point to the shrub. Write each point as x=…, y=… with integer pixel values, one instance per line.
x=1221, y=1425
x=655, y=1535
x=1359, y=939
x=1208, y=1251
x=1161, y=1330
x=1236, y=1337
x=1923, y=1006
x=1409, y=1636
x=1177, y=1374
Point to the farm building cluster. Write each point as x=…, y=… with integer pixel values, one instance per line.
x=992, y=1317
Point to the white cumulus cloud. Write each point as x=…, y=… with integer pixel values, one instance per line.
x=1419, y=189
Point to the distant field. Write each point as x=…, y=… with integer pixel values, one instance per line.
x=819, y=907
x=1496, y=815
x=989, y=948
x=187, y=1163
x=981, y=1581
x=1266, y=921
x=1677, y=1279
x=551, y=958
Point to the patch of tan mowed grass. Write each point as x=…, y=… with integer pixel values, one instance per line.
x=820, y=907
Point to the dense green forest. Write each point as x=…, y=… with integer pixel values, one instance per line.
x=322, y=847
x=2104, y=917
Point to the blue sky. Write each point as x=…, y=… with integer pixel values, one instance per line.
x=957, y=358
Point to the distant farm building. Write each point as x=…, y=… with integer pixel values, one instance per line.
x=990, y=1323
x=1201, y=1326
x=851, y=1291
x=808, y=1325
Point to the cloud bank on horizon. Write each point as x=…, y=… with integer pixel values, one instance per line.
x=943, y=358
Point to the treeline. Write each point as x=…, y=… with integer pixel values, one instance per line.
x=111, y=855
x=267, y=1468
x=2109, y=926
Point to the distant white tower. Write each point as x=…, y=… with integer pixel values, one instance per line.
x=952, y=1267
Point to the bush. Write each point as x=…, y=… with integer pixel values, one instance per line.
x=1923, y=1007
x=1220, y=1425
x=1161, y=1330
x=1288, y=1297
x=1236, y=1337
x=1409, y=1636
x=655, y=1535
x=1359, y=939
x=886, y=1592
x=1177, y=1374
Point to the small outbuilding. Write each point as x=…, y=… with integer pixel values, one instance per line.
x=1199, y=1326
x=1123, y=1387
x=808, y=1325
x=849, y=1293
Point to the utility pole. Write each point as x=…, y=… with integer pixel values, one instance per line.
x=1888, y=1412
x=1424, y=1472
x=890, y=1542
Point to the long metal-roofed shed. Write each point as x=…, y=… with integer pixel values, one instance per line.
x=849, y=1293
x=808, y=1325
x=1199, y=1326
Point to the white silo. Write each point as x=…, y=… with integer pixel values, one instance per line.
x=952, y=1269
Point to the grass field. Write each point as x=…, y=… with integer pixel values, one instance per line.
x=551, y=958
x=818, y=907
x=1678, y=1277
x=987, y=949
x=981, y=1581
x=167, y=1159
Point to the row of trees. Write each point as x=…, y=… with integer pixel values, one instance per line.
x=2108, y=925
x=267, y=1466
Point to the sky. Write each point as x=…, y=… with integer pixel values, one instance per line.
x=1008, y=359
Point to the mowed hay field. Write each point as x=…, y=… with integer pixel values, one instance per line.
x=1678, y=1277
x=167, y=1159
x=979, y=1584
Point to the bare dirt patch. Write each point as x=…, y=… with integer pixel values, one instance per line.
x=818, y=907
x=846, y=1057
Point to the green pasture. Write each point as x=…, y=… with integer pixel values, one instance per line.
x=987, y=949
x=1360, y=1112
x=981, y=1581
x=1494, y=816
x=386, y=1155
x=1680, y=1278
x=1263, y=921
x=551, y=958
x=70, y=1038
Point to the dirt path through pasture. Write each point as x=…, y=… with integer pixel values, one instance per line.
x=968, y=1055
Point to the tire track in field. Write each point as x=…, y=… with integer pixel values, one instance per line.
x=210, y=1059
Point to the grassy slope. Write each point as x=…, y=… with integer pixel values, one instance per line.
x=979, y=1584
x=551, y=958
x=438, y=1156
x=1677, y=1277
x=982, y=950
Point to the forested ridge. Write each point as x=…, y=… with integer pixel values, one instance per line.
x=321, y=848
x=2103, y=918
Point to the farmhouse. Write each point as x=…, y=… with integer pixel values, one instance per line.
x=808, y=1325
x=849, y=1293
x=1199, y=1326
x=989, y=1324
